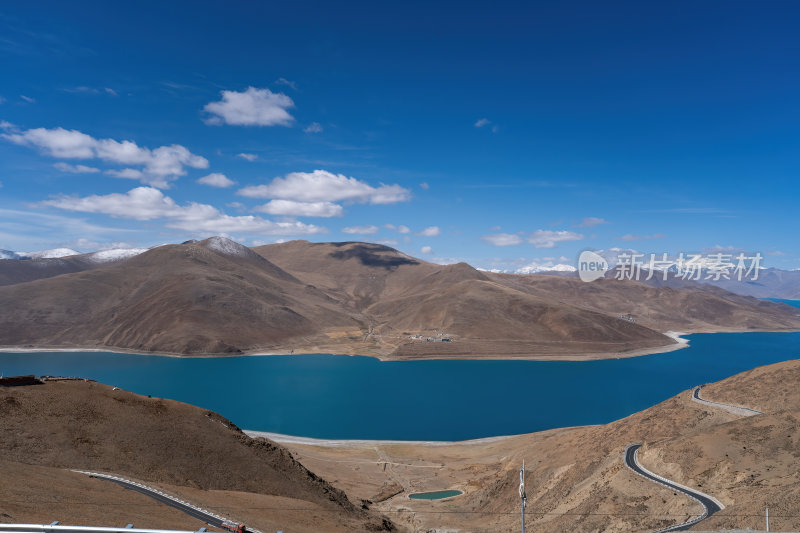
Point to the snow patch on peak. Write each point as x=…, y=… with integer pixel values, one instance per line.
x=535, y=268
x=54, y=253
x=8, y=254
x=115, y=254
x=226, y=246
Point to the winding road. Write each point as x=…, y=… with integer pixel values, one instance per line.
x=734, y=409
x=710, y=504
x=208, y=517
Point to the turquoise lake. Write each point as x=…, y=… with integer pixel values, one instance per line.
x=343, y=397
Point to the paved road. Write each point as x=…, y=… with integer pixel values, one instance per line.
x=191, y=510
x=735, y=409
x=710, y=505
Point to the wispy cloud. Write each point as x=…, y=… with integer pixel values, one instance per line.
x=284, y=81
x=590, y=222
x=548, y=239
x=75, y=169
x=361, y=230
x=628, y=237
x=502, y=239
x=314, y=127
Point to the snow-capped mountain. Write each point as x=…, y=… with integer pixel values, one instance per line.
x=8, y=254
x=115, y=254
x=536, y=269
x=53, y=253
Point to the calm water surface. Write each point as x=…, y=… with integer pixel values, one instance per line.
x=342, y=397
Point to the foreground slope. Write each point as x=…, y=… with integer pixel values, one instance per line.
x=577, y=480
x=187, y=450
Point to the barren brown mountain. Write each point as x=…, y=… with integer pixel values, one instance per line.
x=218, y=297
x=192, y=453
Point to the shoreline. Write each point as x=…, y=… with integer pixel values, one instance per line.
x=282, y=438
x=677, y=336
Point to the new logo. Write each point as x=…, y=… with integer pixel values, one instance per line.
x=591, y=266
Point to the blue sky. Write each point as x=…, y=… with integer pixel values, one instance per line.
x=500, y=134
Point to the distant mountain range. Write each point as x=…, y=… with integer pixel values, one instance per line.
x=771, y=282
x=217, y=296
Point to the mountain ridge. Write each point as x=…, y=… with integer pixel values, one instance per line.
x=220, y=297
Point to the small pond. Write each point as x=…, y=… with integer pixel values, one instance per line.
x=437, y=495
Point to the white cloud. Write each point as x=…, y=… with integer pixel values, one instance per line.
x=314, y=127
x=388, y=242
x=110, y=91
x=360, y=230
x=147, y=203
x=590, y=222
x=249, y=157
x=324, y=186
x=426, y=250
x=430, y=231
x=502, y=239
x=548, y=239
x=631, y=238
x=482, y=122
x=399, y=229
x=306, y=209
x=215, y=179
x=159, y=165
x=75, y=169
x=424, y=186
x=253, y=107
x=27, y=98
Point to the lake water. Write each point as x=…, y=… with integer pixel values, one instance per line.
x=343, y=397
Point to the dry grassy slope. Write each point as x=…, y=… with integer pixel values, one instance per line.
x=402, y=294
x=359, y=274
x=696, y=308
x=17, y=271
x=487, y=310
x=90, y=426
x=39, y=495
x=747, y=463
x=179, y=298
